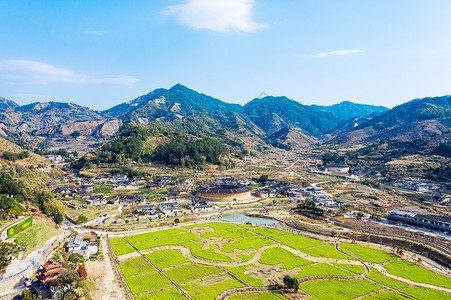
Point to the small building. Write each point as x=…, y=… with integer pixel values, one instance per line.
x=80, y=246
x=199, y=205
x=169, y=208
x=436, y=222
x=148, y=209
x=139, y=179
x=96, y=200
x=124, y=185
x=336, y=168
x=49, y=272
x=130, y=200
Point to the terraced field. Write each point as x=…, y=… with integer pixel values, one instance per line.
x=205, y=261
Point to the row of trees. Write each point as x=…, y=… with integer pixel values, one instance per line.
x=11, y=156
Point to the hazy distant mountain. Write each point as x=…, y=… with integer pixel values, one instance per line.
x=347, y=110
x=404, y=123
x=274, y=113
x=5, y=104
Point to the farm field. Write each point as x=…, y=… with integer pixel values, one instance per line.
x=204, y=261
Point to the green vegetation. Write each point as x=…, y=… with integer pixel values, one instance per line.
x=135, y=266
x=11, y=156
x=121, y=249
x=277, y=255
x=339, y=289
x=171, y=293
x=367, y=254
x=189, y=272
x=385, y=295
x=424, y=293
x=257, y=296
x=228, y=233
x=298, y=241
x=36, y=236
x=167, y=258
x=117, y=241
x=211, y=288
x=146, y=282
x=176, y=240
x=269, y=232
x=357, y=269
x=413, y=272
x=215, y=225
x=245, y=258
x=239, y=272
x=323, y=269
x=378, y=277
x=253, y=242
x=326, y=251
x=155, y=235
x=207, y=253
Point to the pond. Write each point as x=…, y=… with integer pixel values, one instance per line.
x=242, y=218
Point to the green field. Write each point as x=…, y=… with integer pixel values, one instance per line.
x=378, y=277
x=215, y=225
x=277, y=255
x=298, y=241
x=323, y=269
x=257, y=296
x=228, y=233
x=424, y=293
x=413, y=272
x=269, y=232
x=176, y=240
x=155, y=235
x=167, y=258
x=211, y=288
x=339, y=289
x=385, y=295
x=238, y=271
x=171, y=293
x=253, y=242
x=147, y=282
x=326, y=251
x=367, y=253
x=121, y=249
x=36, y=236
x=357, y=269
x=190, y=272
x=207, y=253
x=117, y=241
x=135, y=266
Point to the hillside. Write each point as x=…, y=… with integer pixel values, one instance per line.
x=273, y=113
x=7, y=148
x=403, y=123
x=5, y=104
x=347, y=110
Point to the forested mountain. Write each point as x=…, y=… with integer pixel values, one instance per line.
x=5, y=104
x=347, y=109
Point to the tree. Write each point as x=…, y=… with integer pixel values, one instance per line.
x=82, y=272
x=262, y=178
x=8, y=251
x=329, y=158
x=82, y=219
x=68, y=277
x=58, y=218
x=15, y=209
x=28, y=295
x=291, y=283
x=76, y=258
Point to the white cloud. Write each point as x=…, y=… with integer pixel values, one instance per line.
x=223, y=16
x=96, y=32
x=339, y=52
x=36, y=72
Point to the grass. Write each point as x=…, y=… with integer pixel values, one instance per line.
x=191, y=272
x=239, y=272
x=167, y=258
x=228, y=233
x=117, y=241
x=35, y=237
x=357, y=269
x=207, y=254
x=135, y=266
x=298, y=241
x=269, y=232
x=385, y=295
x=367, y=254
x=257, y=296
x=171, y=293
x=392, y=283
x=176, y=240
x=121, y=249
x=215, y=225
x=277, y=255
x=246, y=226
x=253, y=242
x=155, y=235
x=147, y=282
x=424, y=293
x=415, y=273
x=326, y=251
x=245, y=258
x=323, y=269
x=203, y=290
x=339, y=289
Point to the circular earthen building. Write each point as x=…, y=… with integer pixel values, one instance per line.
x=219, y=191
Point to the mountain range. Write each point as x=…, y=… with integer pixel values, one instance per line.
x=279, y=121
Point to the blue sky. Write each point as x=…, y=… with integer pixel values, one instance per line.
x=102, y=53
